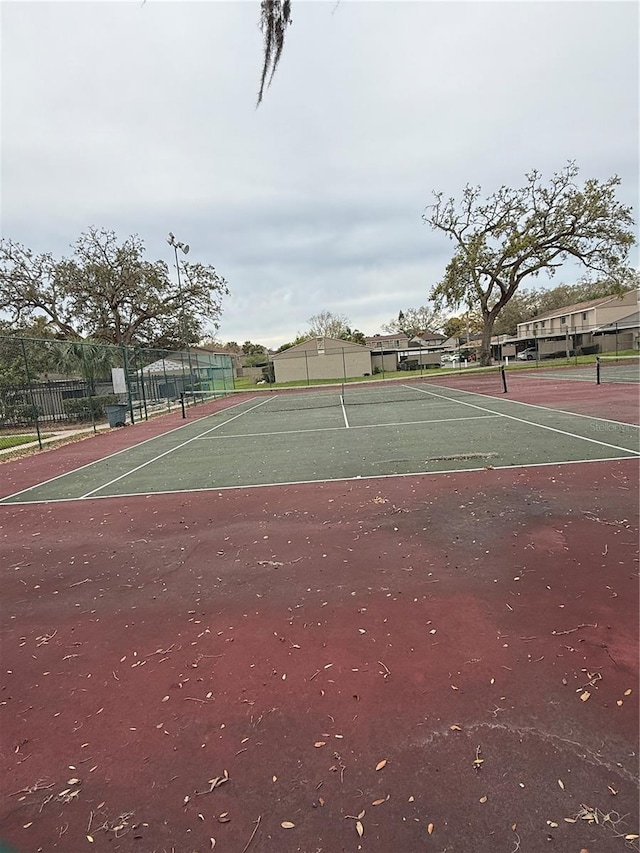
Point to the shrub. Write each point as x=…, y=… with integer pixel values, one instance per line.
x=19, y=413
x=84, y=408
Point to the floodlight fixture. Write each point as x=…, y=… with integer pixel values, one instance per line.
x=184, y=247
x=177, y=244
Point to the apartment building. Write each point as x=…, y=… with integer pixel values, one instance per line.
x=585, y=324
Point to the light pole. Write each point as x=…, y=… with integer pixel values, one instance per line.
x=184, y=247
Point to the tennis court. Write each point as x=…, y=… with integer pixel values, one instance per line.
x=401, y=617
x=623, y=369
x=307, y=435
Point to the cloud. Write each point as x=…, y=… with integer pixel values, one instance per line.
x=143, y=119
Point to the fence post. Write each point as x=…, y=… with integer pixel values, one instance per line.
x=137, y=352
x=125, y=359
x=616, y=325
x=191, y=376
x=344, y=365
x=91, y=387
x=29, y=386
x=166, y=381
x=306, y=365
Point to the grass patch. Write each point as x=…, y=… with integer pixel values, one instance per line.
x=7, y=441
x=242, y=382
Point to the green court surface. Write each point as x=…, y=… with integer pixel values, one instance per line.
x=421, y=429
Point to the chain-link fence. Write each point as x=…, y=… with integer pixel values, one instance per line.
x=49, y=387
x=321, y=360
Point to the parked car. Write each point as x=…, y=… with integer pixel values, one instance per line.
x=529, y=354
x=449, y=357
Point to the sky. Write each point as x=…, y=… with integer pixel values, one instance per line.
x=141, y=118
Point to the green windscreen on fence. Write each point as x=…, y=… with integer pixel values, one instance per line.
x=49, y=388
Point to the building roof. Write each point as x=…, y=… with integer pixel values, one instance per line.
x=631, y=321
x=165, y=365
x=330, y=343
x=430, y=336
x=571, y=309
x=391, y=337
x=423, y=337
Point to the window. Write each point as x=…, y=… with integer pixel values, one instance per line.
x=543, y=323
x=320, y=345
x=584, y=315
x=563, y=321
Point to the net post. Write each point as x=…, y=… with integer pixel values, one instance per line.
x=503, y=374
x=90, y=388
x=184, y=413
x=597, y=370
x=34, y=408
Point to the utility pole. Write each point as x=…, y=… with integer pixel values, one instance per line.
x=184, y=247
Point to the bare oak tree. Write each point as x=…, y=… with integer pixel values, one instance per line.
x=326, y=324
x=415, y=321
x=107, y=291
x=516, y=234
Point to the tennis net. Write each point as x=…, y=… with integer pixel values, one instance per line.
x=367, y=393
x=618, y=368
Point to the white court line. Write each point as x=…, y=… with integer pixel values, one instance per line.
x=448, y=472
x=412, y=387
x=118, y=452
x=237, y=435
x=171, y=450
x=532, y=423
x=201, y=435
x=344, y=414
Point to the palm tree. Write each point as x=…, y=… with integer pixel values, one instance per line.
x=89, y=358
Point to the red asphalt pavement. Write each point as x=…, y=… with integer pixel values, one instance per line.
x=444, y=663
